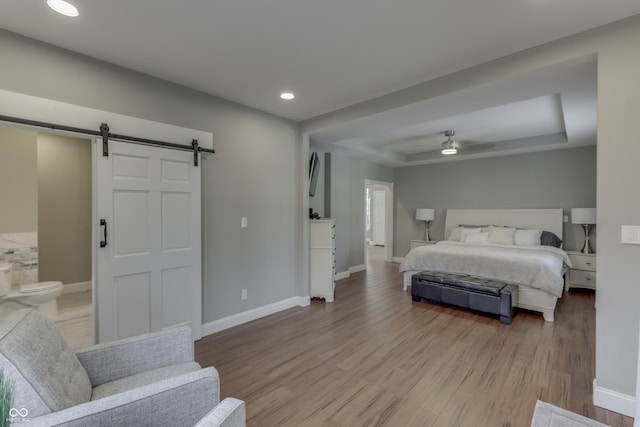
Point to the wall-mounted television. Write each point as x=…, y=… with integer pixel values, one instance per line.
x=314, y=167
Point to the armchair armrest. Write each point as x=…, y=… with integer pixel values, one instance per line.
x=117, y=359
x=182, y=400
x=229, y=413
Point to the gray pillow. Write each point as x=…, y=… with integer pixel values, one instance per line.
x=46, y=374
x=549, y=239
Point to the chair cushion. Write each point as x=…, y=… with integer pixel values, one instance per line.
x=142, y=379
x=45, y=371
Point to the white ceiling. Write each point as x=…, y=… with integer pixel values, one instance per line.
x=333, y=54
x=545, y=109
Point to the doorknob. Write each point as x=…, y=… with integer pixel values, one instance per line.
x=103, y=223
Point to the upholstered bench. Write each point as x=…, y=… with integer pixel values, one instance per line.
x=476, y=293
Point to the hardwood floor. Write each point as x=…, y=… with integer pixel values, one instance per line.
x=375, y=358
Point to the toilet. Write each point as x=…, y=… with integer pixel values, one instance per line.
x=41, y=295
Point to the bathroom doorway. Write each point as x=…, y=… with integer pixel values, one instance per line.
x=45, y=228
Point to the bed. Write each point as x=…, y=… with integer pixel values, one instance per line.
x=538, y=270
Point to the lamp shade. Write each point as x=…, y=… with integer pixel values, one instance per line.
x=583, y=215
x=425, y=214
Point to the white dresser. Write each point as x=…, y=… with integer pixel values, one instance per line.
x=322, y=244
x=583, y=272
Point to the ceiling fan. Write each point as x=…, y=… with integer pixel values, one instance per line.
x=450, y=146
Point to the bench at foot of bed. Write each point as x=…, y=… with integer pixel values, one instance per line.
x=477, y=293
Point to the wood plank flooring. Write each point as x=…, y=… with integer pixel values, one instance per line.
x=375, y=358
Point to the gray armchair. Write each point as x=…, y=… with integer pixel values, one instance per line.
x=148, y=380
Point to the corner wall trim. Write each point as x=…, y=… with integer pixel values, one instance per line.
x=342, y=275
x=346, y=274
x=253, y=314
x=76, y=287
x=357, y=268
x=397, y=259
x=613, y=400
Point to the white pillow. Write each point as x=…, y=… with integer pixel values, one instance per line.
x=467, y=231
x=501, y=235
x=477, y=238
x=456, y=234
x=527, y=237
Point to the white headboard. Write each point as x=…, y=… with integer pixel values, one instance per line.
x=546, y=219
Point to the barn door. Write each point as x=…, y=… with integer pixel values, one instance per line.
x=148, y=261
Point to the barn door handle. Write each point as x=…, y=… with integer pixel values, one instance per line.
x=103, y=223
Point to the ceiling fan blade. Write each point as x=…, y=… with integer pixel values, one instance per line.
x=469, y=146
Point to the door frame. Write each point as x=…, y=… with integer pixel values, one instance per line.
x=388, y=203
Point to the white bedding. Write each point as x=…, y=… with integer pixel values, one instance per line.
x=539, y=267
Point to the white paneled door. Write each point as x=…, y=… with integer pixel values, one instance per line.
x=379, y=221
x=148, y=259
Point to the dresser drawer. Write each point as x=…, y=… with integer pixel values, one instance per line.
x=583, y=262
x=585, y=279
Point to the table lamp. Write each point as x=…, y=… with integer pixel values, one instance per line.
x=587, y=218
x=427, y=216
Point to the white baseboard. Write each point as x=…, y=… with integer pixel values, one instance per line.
x=256, y=313
x=342, y=275
x=613, y=400
x=346, y=274
x=357, y=268
x=397, y=259
x=76, y=287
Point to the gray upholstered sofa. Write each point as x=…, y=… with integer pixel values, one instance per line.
x=149, y=380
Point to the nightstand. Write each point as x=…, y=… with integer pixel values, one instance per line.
x=583, y=272
x=416, y=243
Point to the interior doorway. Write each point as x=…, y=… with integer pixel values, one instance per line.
x=45, y=231
x=378, y=213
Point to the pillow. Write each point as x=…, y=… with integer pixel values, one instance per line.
x=483, y=228
x=456, y=234
x=466, y=231
x=46, y=373
x=476, y=238
x=501, y=235
x=549, y=239
x=527, y=237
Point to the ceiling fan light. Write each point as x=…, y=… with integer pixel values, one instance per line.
x=449, y=147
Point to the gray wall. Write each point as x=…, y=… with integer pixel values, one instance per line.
x=550, y=179
x=64, y=209
x=254, y=172
x=347, y=196
x=18, y=181
x=617, y=317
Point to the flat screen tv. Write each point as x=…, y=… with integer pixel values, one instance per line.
x=314, y=166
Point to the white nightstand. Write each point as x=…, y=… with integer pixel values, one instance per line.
x=583, y=272
x=416, y=243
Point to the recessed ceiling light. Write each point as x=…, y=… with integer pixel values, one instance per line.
x=287, y=96
x=63, y=7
